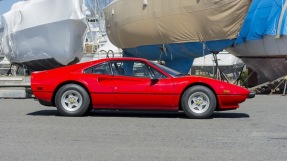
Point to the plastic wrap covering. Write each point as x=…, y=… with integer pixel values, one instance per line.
x=1, y=33
x=44, y=34
x=132, y=23
x=257, y=43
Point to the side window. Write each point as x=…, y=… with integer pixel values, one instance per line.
x=117, y=68
x=156, y=74
x=103, y=68
x=131, y=68
x=141, y=70
x=135, y=69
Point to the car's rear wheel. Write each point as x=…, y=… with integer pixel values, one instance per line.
x=72, y=100
x=198, y=102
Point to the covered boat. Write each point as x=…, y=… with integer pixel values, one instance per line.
x=44, y=34
x=262, y=42
x=174, y=31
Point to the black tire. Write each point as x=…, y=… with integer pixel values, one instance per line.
x=198, y=102
x=90, y=109
x=72, y=100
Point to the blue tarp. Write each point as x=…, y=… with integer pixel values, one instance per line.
x=178, y=56
x=262, y=19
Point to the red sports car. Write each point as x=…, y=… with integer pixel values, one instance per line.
x=133, y=84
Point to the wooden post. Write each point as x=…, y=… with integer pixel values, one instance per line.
x=253, y=79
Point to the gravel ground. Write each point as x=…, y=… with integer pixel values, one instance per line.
x=256, y=131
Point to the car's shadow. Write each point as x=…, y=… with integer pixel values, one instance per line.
x=140, y=114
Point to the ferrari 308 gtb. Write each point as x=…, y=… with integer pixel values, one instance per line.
x=133, y=84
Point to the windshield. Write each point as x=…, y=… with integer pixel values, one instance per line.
x=171, y=72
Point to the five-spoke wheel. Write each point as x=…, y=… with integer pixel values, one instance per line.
x=198, y=102
x=72, y=100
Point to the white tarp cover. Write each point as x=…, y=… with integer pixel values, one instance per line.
x=223, y=60
x=1, y=33
x=132, y=23
x=45, y=29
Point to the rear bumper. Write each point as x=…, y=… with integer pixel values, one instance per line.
x=43, y=96
x=45, y=103
x=251, y=94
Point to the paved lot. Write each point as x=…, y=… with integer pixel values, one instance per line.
x=256, y=131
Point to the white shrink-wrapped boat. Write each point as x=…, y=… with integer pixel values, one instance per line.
x=44, y=34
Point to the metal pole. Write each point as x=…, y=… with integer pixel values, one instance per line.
x=284, y=92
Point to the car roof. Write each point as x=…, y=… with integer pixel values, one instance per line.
x=114, y=59
x=78, y=66
x=122, y=58
x=84, y=64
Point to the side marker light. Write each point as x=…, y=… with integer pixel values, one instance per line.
x=226, y=91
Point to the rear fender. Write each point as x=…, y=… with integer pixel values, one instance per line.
x=69, y=82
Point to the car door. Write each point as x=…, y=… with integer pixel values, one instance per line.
x=99, y=78
x=136, y=88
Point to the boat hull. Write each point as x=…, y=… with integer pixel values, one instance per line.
x=178, y=56
x=267, y=56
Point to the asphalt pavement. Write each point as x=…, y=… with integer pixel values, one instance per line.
x=256, y=131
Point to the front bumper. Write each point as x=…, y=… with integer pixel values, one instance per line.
x=251, y=94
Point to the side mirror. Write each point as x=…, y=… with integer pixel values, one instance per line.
x=153, y=81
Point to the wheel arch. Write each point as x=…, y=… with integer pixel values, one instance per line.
x=69, y=82
x=195, y=84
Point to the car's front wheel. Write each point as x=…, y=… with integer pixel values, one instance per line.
x=198, y=102
x=72, y=100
